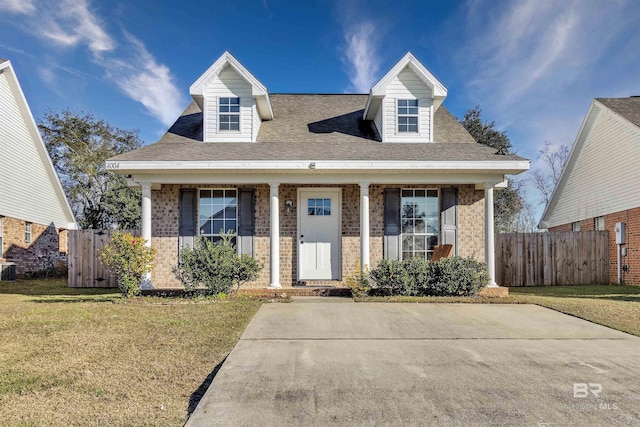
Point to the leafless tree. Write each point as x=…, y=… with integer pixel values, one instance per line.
x=553, y=157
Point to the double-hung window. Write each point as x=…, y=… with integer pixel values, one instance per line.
x=27, y=232
x=420, y=222
x=407, y=116
x=218, y=213
x=229, y=114
x=575, y=226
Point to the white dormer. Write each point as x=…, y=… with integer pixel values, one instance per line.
x=232, y=100
x=402, y=103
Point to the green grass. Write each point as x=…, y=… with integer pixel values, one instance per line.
x=614, y=306
x=87, y=357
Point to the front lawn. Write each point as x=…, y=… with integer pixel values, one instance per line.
x=614, y=306
x=88, y=357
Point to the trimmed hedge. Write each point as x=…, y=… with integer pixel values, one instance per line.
x=452, y=276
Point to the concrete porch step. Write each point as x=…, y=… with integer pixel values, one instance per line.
x=302, y=291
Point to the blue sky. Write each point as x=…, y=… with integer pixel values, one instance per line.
x=532, y=65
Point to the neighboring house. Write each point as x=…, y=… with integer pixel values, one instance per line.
x=600, y=184
x=34, y=213
x=313, y=184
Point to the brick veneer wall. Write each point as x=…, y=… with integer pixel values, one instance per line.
x=165, y=218
x=47, y=249
x=632, y=218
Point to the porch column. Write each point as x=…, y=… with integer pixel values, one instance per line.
x=489, y=242
x=364, y=226
x=146, y=227
x=275, y=236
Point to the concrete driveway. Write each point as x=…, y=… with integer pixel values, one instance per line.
x=324, y=363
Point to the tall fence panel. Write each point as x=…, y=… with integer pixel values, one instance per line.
x=85, y=268
x=562, y=258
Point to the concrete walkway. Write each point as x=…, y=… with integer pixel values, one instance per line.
x=316, y=363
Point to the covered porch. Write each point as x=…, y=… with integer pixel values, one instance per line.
x=281, y=204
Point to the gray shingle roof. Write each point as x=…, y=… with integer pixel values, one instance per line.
x=314, y=127
x=629, y=108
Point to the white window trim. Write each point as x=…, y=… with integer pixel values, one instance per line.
x=239, y=116
x=1, y=237
x=596, y=226
x=417, y=115
x=198, y=211
x=575, y=226
x=438, y=234
x=28, y=231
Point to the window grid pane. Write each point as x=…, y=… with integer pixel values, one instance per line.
x=420, y=222
x=319, y=207
x=217, y=212
x=407, y=115
x=229, y=114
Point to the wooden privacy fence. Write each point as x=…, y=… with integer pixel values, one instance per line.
x=563, y=258
x=85, y=269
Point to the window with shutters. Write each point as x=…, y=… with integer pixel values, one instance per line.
x=420, y=219
x=217, y=213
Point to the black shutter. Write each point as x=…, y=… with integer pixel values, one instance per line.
x=391, y=223
x=449, y=217
x=246, y=220
x=187, y=226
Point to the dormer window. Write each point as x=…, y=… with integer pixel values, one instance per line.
x=229, y=114
x=407, y=116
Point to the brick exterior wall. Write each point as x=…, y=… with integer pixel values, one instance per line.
x=48, y=246
x=165, y=223
x=632, y=218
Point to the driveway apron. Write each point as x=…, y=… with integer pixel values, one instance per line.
x=319, y=363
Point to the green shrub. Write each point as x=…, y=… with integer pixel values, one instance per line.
x=457, y=276
x=128, y=258
x=359, y=282
x=391, y=278
x=416, y=277
x=215, y=266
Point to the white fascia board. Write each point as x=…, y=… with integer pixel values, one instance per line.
x=439, y=89
x=258, y=90
x=380, y=88
x=577, y=144
x=503, y=167
x=32, y=127
x=263, y=177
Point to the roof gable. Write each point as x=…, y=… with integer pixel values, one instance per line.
x=258, y=90
x=600, y=175
x=30, y=188
x=409, y=61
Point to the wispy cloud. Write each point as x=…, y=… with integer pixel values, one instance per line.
x=74, y=24
x=538, y=62
x=361, y=55
x=128, y=64
x=18, y=6
x=146, y=81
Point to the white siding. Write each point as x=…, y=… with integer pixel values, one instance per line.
x=407, y=85
x=228, y=84
x=378, y=121
x=27, y=191
x=602, y=176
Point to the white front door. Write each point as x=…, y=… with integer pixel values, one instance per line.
x=319, y=234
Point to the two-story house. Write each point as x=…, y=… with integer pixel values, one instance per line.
x=34, y=212
x=315, y=184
